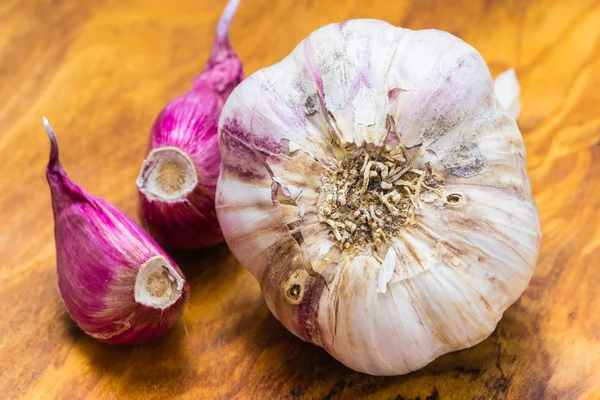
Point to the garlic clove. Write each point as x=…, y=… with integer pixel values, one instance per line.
x=178, y=178
x=394, y=222
x=386, y=270
x=117, y=284
x=301, y=124
x=507, y=91
x=354, y=108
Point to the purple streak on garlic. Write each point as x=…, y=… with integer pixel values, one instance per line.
x=178, y=178
x=117, y=284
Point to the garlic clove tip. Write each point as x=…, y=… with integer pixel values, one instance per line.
x=53, y=161
x=221, y=47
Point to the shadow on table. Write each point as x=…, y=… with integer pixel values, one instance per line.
x=484, y=371
x=159, y=363
x=201, y=262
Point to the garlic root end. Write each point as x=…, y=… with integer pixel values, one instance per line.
x=157, y=284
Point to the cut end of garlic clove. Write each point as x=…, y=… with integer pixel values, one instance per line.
x=157, y=284
x=168, y=174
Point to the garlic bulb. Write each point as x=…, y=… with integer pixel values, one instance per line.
x=377, y=191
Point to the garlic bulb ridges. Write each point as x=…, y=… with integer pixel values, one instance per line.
x=376, y=189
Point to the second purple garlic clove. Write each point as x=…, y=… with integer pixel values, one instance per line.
x=177, y=181
x=117, y=284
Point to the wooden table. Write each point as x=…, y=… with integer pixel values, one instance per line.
x=101, y=70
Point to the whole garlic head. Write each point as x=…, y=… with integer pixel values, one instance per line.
x=377, y=191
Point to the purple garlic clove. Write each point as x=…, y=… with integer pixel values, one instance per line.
x=178, y=178
x=117, y=284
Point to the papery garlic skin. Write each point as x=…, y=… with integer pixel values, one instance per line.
x=184, y=154
x=364, y=88
x=178, y=178
x=508, y=90
x=117, y=284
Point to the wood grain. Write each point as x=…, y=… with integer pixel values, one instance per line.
x=101, y=70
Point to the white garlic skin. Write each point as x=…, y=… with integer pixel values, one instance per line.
x=507, y=91
x=448, y=280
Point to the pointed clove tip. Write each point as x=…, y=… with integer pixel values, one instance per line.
x=221, y=47
x=53, y=161
x=226, y=17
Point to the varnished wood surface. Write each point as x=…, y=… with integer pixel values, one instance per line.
x=101, y=70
